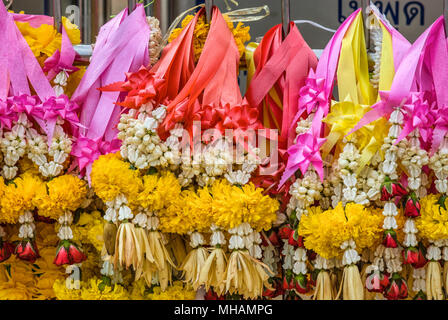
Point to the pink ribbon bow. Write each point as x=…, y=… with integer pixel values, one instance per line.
x=313, y=97
x=7, y=116
x=417, y=115
x=61, y=60
x=440, y=127
x=305, y=152
x=62, y=107
x=88, y=150
x=313, y=94
x=27, y=104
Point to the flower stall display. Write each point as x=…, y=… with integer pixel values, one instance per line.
x=146, y=174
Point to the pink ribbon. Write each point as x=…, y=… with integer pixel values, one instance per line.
x=35, y=21
x=88, y=150
x=315, y=96
x=7, y=116
x=122, y=47
x=30, y=105
x=62, y=107
x=61, y=60
x=405, y=77
x=305, y=152
x=312, y=96
x=417, y=115
x=440, y=126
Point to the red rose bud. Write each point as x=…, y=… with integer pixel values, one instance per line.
x=285, y=284
x=397, y=289
x=6, y=249
x=269, y=293
x=284, y=232
x=377, y=282
x=293, y=242
x=415, y=257
x=27, y=250
x=390, y=239
x=391, y=189
x=62, y=256
x=301, y=283
x=211, y=295
x=420, y=296
x=76, y=255
x=412, y=208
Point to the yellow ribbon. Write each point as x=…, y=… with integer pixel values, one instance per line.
x=353, y=68
x=359, y=94
x=387, y=69
x=343, y=117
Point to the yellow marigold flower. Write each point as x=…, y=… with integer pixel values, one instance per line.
x=63, y=293
x=44, y=284
x=63, y=193
x=433, y=222
x=73, y=81
x=112, y=176
x=177, y=291
x=324, y=232
x=138, y=290
x=21, y=271
x=240, y=34
x=90, y=291
x=45, y=40
x=192, y=211
x=46, y=236
x=12, y=290
x=89, y=229
x=235, y=205
x=18, y=196
x=26, y=165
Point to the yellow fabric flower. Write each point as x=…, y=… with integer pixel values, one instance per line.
x=63, y=193
x=18, y=196
x=112, y=176
x=433, y=222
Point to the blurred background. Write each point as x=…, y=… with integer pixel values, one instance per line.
x=410, y=17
